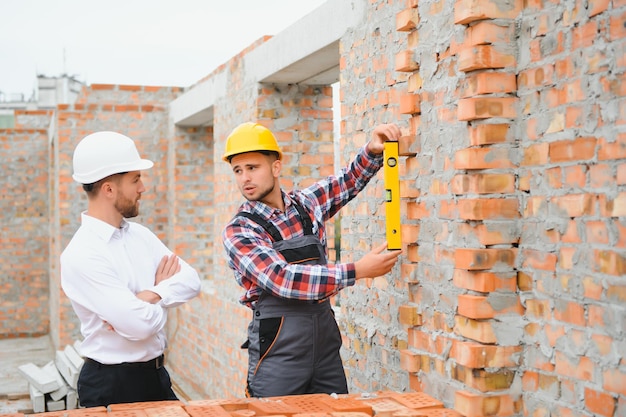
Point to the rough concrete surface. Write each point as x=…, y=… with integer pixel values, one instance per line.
x=14, y=397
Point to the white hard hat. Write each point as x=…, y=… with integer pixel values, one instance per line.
x=101, y=154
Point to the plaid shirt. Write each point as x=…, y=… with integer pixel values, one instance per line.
x=259, y=267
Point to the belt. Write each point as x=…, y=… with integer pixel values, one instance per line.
x=155, y=363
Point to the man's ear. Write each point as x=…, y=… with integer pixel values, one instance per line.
x=277, y=166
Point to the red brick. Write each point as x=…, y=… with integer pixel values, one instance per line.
x=541, y=260
x=407, y=20
x=581, y=367
x=612, y=150
x=405, y=62
x=483, y=184
x=483, y=158
x=486, y=134
x=467, y=11
x=580, y=149
x=485, y=281
x=488, y=209
x=575, y=205
x=489, y=233
x=487, y=32
x=480, y=405
x=609, y=262
x=484, y=57
x=481, y=259
x=535, y=154
x=488, y=307
x=488, y=83
x=408, y=315
x=476, y=355
x=486, y=107
x=410, y=104
x=409, y=145
x=615, y=207
x=614, y=380
x=480, y=331
x=599, y=403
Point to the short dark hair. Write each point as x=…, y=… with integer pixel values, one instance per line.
x=92, y=189
x=266, y=153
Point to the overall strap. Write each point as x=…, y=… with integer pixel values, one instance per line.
x=269, y=228
x=307, y=225
x=305, y=219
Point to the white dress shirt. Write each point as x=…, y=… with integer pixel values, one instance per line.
x=102, y=268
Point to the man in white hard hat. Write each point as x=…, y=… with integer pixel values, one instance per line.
x=120, y=278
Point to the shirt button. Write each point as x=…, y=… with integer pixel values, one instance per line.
x=262, y=340
x=258, y=313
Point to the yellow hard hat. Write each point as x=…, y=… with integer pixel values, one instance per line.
x=250, y=137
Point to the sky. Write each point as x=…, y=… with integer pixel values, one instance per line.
x=142, y=42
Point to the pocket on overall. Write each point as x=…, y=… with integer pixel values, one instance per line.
x=269, y=330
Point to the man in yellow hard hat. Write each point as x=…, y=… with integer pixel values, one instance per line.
x=276, y=246
x=120, y=278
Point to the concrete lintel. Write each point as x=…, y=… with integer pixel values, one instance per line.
x=307, y=48
x=306, y=52
x=195, y=106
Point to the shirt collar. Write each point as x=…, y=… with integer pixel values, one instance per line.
x=263, y=209
x=101, y=228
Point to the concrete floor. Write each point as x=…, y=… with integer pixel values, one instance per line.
x=14, y=397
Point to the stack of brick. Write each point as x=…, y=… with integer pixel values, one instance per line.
x=53, y=386
x=380, y=404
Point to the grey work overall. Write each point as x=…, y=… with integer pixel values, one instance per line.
x=293, y=345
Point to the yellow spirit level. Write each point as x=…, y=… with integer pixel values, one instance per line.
x=392, y=196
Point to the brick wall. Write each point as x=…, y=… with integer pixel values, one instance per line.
x=509, y=296
x=24, y=290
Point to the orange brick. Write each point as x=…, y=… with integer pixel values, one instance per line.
x=488, y=307
x=346, y=404
x=482, y=57
x=270, y=406
x=480, y=331
x=489, y=234
x=483, y=380
x=410, y=104
x=575, y=205
x=599, y=403
x=410, y=233
x=488, y=83
x=486, y=134
x=480, y=259
x=484, y=404
x=476, y=355
x=407, y=20
x=408, y=189
x=144, y=405
x=487, y=32
x=206, y=411
x=609, y=262
x=418, y=401
x=230, y=404
x=467, y=11
x=169, y=411
x=408, y=315
x=486, y=107
x=488, y=209
x=483, y=184
x=409, y=145
x=615, y=207
x=612, y=150
x=485, y=281
x=535, y=154
x=580, y=149
x=405, y=62
x=483, y=158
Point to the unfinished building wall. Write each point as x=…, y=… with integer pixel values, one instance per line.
x=24, y=288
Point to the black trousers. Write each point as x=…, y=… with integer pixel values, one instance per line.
x=101, y=385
